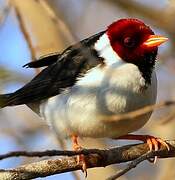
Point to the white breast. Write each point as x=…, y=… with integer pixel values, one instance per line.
x=102, y=92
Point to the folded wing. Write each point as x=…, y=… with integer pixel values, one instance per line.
x=63, y=72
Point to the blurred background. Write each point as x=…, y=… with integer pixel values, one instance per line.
x=33, y=28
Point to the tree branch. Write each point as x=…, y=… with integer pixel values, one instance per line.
x=24, y=29
x=94, y=158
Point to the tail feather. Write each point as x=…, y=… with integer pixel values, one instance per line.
x=4, y=100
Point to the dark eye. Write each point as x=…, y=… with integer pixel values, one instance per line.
x=129, y=42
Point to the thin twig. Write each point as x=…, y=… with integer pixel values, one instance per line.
x=167, y=119
x=132, y=165
x=58, y=21
x=24, y=30
x=49, y=153
x=138, y=112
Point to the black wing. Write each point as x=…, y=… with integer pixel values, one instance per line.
x=44, y=61
x=74, y=62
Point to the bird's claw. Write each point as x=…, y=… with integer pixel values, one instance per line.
x=153, y=144
x=80, y=158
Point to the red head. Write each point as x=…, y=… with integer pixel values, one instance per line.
x=133, y=41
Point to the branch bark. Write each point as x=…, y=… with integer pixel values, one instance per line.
x=94, y=158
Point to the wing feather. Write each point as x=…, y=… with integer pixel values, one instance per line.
x=73, y=63
x=43, y=61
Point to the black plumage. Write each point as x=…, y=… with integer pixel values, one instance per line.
x=63, y=71
x=44, y=61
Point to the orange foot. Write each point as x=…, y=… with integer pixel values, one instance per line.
x=152, y=142
x=81, y=157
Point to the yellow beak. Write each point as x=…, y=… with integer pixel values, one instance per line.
x=154, y=40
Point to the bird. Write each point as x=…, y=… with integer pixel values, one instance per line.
x=109, y=73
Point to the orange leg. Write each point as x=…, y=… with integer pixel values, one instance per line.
x=152, y=142
x=81, y=157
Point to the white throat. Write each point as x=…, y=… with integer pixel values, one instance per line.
x=103, y=47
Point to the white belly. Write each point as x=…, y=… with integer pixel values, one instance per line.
x=81, y=109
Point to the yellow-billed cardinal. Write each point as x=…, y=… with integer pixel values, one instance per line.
x=109, y=73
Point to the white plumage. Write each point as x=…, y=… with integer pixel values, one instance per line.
x=114, y=88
